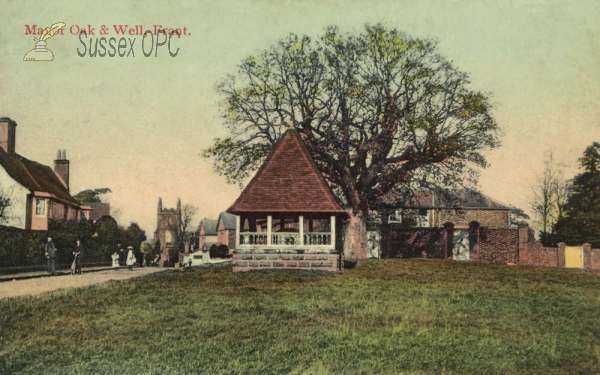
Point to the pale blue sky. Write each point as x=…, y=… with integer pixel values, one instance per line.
x=137, y=125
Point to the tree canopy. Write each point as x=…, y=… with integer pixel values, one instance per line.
x=91, y=195
x=378, y=111
x=581, y=221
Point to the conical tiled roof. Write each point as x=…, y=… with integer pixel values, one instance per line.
x=288, y=181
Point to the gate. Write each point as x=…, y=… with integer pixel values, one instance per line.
x=460, y=245
x=573, y=257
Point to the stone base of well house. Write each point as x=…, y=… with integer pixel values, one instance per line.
x=285, y=260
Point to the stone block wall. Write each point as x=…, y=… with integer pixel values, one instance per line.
x=311, y=262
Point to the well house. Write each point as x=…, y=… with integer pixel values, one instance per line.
x=286, y=216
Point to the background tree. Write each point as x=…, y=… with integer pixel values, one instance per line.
x=550, y=191
x=581, y=220
x=91, y=195
x=516, y=215
x=378, y=111
x=188, y=211
x=5, y=204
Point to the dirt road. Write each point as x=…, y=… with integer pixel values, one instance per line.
x=35, y=286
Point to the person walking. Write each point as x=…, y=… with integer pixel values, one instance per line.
x=115, y=260
x=51, y=256
x=130, y=258
x=77, y=254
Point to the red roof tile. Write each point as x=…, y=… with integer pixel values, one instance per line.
x=288, y=181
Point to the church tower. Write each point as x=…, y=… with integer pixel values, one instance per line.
x=167, y=236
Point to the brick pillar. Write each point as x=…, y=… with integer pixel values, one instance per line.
x=449, y=237
x=587, y=256
x=474, y=241
x=560, y=261
x=523, y=243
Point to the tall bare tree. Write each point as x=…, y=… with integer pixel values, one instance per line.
x=551, y=192
x=187, y=212
x=378, y=111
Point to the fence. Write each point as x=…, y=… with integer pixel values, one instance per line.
x=508, y=246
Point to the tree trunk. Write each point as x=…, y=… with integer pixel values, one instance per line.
x=355, y=236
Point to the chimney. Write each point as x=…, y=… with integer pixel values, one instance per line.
x=61, y=167
x=8, y=129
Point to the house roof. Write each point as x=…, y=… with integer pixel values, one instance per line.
x=464, y=199
x=99, y=210
x=35, y=176
x=288, y=181
x=228, y=221
x=210, y=227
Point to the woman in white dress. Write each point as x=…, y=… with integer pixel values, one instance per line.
x=130, y=258
x=115, y=260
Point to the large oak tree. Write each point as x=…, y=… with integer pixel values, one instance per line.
x=378, y=111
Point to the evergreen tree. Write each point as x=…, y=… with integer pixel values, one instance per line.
x=582, y=221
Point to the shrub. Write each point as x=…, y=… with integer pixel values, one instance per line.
x=218, y=251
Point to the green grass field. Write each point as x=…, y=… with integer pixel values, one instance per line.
x=386, y=317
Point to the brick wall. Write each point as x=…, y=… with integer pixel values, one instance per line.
x=595, y=259
x=539, y=255
x=312, y=262
x=498, y=246
x=412, y=242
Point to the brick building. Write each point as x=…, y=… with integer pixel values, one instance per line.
x=39, y=195
x=427, y=209
x=226, y=230
x=207, y=234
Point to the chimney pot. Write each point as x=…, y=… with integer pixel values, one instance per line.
x=61, y=167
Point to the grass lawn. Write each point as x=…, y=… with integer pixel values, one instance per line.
x=386, y=317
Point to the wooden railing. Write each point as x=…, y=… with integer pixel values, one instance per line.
x=317, y=238
x=285, y=239
x=278, y=239
x=253, y=238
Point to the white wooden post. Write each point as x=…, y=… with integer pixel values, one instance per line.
x=301, y=229
x=269, y=224
x=237, y=231
x=332, y=231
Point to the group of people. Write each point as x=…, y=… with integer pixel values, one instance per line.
x=76, y=254
x=129, y=260
x=118, y=257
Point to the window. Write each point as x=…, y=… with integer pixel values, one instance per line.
x=395, y=217
x=423, y=218
x=40, y=207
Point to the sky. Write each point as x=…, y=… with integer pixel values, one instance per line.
x=137, y=125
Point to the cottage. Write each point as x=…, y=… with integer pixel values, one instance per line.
x=39, y=195
x=286, y=216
